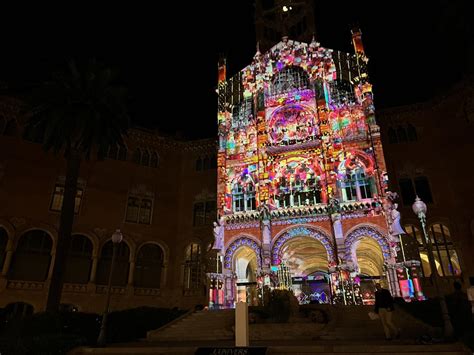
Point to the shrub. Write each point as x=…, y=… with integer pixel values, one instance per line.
x=133, y=324
x=57, y=333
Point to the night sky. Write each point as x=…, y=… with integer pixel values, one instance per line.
x=166, y=54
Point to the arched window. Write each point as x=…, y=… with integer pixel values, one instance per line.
x=3, y=245
x=145, y=158
x=154, y=160
x=244, y=197
x=32, y=257
x=296, y=184
x=242, y=113
x=356, y=185
x=137, y=156
x=122, y=153
x=18, y=310
x=411, y=131
x=148, y=266
x=79, y=261
x=145, y=211
x=250, y=202
x=363, y=185
x=422, y=188
x=192, y=267
x=133, y=207
x=289, y=79
x=401, y=134
x=113, y=151
x=121, y=266
x=445, y=255
x=238, y=198
x=392, y=136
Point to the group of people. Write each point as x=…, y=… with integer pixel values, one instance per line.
x=459, y=308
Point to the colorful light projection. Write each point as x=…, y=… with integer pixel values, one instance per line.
x=242, y=143
x=292, y=124
x=241, y=188
x=296, y=181
x=348, y=123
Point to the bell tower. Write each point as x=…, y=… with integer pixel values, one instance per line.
x=277, y=18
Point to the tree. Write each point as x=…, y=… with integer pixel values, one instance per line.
x=78, y=112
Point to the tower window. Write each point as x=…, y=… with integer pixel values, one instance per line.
x=58, y=197
x=402, y=134
x=392, y=136
x=422, y=188
x=139, y=210
x=407, y=191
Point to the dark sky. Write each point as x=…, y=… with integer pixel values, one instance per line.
x=166, y=54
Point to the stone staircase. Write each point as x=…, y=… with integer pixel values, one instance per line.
x=201, y=325
x=346, y=323
x=349, y=331
x=353, y=323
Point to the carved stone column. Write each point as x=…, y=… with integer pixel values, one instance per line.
x=8, y=258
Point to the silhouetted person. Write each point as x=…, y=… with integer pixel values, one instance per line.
x=384, y=308
x=459, y=309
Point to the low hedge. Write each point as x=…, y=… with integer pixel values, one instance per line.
x=57, y=333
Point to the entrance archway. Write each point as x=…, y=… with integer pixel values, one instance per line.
x=307, y=260
x=370, y=263
x=304, y=255
x=245, y=268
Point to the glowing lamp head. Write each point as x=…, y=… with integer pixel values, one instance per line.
x=117, y=236
x=419, y=207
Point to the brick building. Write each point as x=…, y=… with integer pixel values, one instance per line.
x=428, y=147
x=159, y=191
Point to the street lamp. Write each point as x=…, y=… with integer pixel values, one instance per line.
x=116, y=240
x=419, y=208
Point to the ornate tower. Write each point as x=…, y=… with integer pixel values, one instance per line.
x=277, y=18
x=302, y=183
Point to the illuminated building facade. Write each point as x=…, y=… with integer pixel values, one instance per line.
x=302, y=183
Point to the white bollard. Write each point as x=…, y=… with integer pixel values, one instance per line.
x=241, y=324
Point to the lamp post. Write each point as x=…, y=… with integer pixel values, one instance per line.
x=419, y=208
x=116, y=240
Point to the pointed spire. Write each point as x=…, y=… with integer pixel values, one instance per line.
x=313, y=43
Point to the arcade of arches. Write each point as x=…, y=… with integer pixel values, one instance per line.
x=28, y=261
x=306, y=263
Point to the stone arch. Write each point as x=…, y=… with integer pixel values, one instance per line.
x=244, y=240
x=149, y=265
x=132, y=247
x=92, y=237
x=161, y=244
x=32, y=262
x=122, y=262
x=9, y=228
x=77, y=268
x=51, y=231
x=361, y=231
x=301, y=231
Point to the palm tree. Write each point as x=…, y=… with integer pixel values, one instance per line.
x=78, y=112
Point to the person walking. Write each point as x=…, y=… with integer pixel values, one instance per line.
x=384, y=308
x=459, y=310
